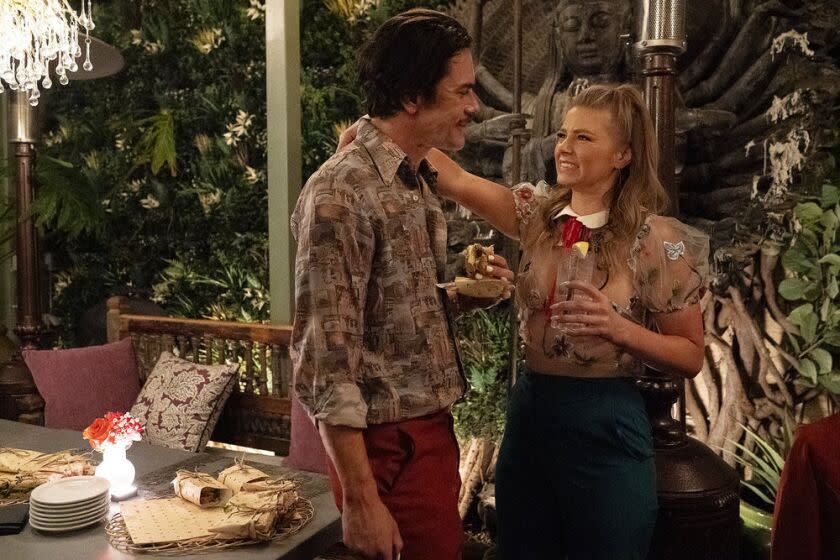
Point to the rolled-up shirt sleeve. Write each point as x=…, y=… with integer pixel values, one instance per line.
x=335, y=245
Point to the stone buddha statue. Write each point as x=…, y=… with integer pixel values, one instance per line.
x=585, y=47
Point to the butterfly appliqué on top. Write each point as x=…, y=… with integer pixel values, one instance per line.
x=674, y=250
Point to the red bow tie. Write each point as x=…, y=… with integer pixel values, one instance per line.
x=572, y=232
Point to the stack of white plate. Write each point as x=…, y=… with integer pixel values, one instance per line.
x=68, y=504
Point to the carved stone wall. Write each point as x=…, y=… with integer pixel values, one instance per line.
x=757, y=126
x=755, y=74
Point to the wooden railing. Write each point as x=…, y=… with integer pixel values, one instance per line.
x=258, y=412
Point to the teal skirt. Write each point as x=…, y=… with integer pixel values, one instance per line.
x=575, y=476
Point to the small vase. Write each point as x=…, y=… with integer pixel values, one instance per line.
x=117, y=470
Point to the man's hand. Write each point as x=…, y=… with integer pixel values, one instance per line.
x=369, y=528
x=367, y=525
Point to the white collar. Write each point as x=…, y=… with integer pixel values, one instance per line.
x=592, y=221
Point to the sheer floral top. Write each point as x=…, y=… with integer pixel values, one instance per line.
x=666, y=270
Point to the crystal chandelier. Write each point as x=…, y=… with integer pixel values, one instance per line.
x=35, y=34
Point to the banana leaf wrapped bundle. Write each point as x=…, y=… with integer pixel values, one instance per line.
x=239, y=474
x=22, y=470
x=201, y=489
x=255, y=511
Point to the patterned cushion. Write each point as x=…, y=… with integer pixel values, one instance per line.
x=82, y=384
x=181, y=402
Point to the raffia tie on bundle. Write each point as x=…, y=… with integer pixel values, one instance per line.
x=239, y=474
x=253, y=513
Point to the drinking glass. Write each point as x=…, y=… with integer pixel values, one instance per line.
x=572, y=266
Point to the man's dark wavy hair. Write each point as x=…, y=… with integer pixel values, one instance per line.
x=407, y=57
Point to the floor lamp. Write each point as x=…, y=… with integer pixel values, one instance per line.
x=697, y=490
x=19, y=399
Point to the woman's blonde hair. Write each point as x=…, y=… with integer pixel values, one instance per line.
x=638, y=191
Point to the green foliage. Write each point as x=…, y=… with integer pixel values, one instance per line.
x=332, y=32
x=234, y=293
x=484, y=343
x=154, y=180
x=157, y=145
x=764, y=463
x=812, y=263
x=162, y=165
x=60, y=205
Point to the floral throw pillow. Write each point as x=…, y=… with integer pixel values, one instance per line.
x=181, y=401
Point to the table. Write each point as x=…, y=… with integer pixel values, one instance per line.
x=155, y=467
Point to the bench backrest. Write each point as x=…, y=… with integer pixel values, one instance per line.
x=258, y=412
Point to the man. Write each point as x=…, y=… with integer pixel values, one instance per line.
x=373, y=352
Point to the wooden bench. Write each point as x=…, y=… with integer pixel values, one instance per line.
x=259, y=410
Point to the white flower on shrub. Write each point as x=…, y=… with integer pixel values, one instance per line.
x=56, y=137
x=149, y=202
x=256, y=11
x=253, y=176
x=208, y=39
x=239, y=129
x=209, y=200
x=153, y=47
x=62, y=281
x=91, y=159
x=352, y=10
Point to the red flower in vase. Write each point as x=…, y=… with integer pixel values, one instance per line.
x=114, y=428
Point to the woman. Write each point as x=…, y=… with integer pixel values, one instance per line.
x=575, y=475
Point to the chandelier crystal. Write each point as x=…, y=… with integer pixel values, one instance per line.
x=35, y=34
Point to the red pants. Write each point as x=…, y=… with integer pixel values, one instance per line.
x=415, y=464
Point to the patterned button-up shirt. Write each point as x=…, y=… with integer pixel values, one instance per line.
x=372, y=340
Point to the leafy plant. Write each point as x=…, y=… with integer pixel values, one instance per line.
x=483, y=337
x=812, y=264
x=161, y=165
x=154, y=179
x=233, y=293
x=763, y=465
x=66, y=200
x=157, y=144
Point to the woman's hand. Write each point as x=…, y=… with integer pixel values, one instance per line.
x=498, y=269
x=598, y=316
x=677, y=348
